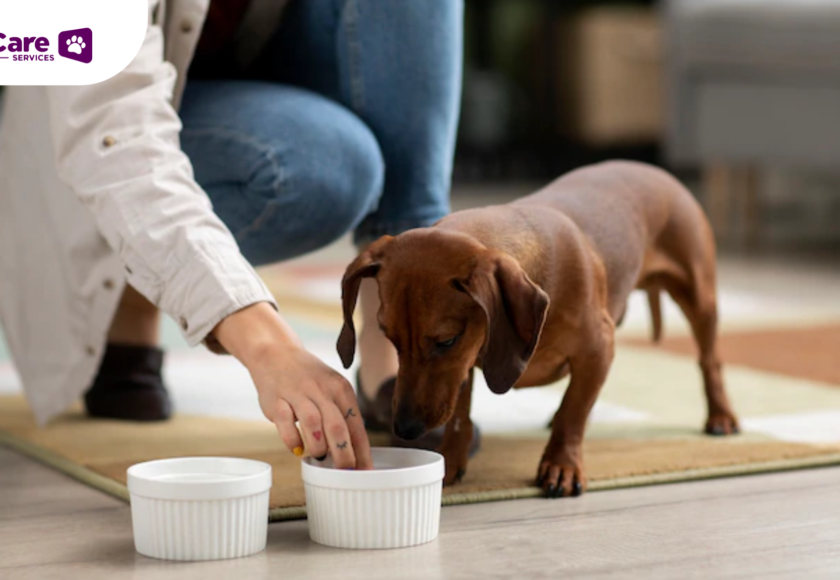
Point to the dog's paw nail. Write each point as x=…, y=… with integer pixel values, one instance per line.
x=560, y=492
x=551, y=491
x=735, y=429
x=461, y=473
x=577, y=489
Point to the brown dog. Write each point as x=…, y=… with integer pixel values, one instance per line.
x=533, y=290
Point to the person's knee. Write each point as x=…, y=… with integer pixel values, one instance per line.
x=304, y=184
x=358, y=174
x=342, y=175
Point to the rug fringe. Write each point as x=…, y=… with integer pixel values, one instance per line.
x=119, y=491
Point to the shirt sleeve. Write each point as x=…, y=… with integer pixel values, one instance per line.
x=117, y=146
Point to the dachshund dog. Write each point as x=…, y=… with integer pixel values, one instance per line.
x=532, y=291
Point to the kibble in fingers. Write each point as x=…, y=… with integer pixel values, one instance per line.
x=284, y=420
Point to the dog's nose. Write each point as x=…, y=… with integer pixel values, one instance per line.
x=408, y=429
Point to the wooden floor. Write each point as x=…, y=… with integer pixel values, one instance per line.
x=772, y=526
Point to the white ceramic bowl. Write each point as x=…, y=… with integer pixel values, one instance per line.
x=395, y=505
x=199, y=508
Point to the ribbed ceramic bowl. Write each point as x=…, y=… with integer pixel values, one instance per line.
x=395, y=505
x=199, y=508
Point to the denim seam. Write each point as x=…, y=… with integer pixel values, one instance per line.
x=351, y=18
x=270, y=155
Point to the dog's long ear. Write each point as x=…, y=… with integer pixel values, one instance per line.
x=516, y=309
x=366, y=265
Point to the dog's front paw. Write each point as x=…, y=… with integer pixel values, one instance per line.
x=724, y=423
x=456, y=452
x=454, y=473
x=561, y=476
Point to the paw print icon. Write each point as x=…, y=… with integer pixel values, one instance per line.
x=76, y=45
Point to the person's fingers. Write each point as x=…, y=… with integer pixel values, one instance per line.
x=349, y=406
x=335, y=425
x=284, y=420
x=311, y=427
x=338, y=437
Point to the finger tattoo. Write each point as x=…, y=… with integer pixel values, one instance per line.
x=350, y=413
x=342, y=446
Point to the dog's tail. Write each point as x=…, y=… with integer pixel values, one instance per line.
x=655, y=312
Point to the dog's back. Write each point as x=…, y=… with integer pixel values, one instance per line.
x=645, y=227
x=640, y=219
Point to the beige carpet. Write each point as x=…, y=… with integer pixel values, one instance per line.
x=99, y=452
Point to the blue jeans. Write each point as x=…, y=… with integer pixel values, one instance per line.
x=346, y=122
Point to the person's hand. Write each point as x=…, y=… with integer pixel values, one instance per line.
x=294, y=385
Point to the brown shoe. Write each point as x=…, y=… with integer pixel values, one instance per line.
x=378, y=415
x=129, y=385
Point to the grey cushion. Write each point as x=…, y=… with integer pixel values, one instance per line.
x=795, y=34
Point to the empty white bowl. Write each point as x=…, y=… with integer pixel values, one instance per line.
x=395, y=505
x=199, y=508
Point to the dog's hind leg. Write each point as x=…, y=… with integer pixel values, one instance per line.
x=698, y=301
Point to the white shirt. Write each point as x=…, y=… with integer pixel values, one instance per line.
x=96, y=192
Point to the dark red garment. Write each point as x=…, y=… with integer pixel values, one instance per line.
x=220, y=26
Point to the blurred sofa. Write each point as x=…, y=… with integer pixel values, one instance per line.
x=751, y=84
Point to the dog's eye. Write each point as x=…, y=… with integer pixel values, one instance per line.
x=446, y=344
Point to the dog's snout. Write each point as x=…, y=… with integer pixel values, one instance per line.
x=408, y=428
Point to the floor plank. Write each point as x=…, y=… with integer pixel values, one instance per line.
x=770, y=526
x=28, y=490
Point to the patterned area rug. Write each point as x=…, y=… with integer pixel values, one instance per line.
x=810, y=353
x=645, y=428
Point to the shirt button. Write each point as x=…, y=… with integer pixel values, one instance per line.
x=109, y=141
x=184, y=324
x=90, y=350
x=108, y=284
x=186, y=26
